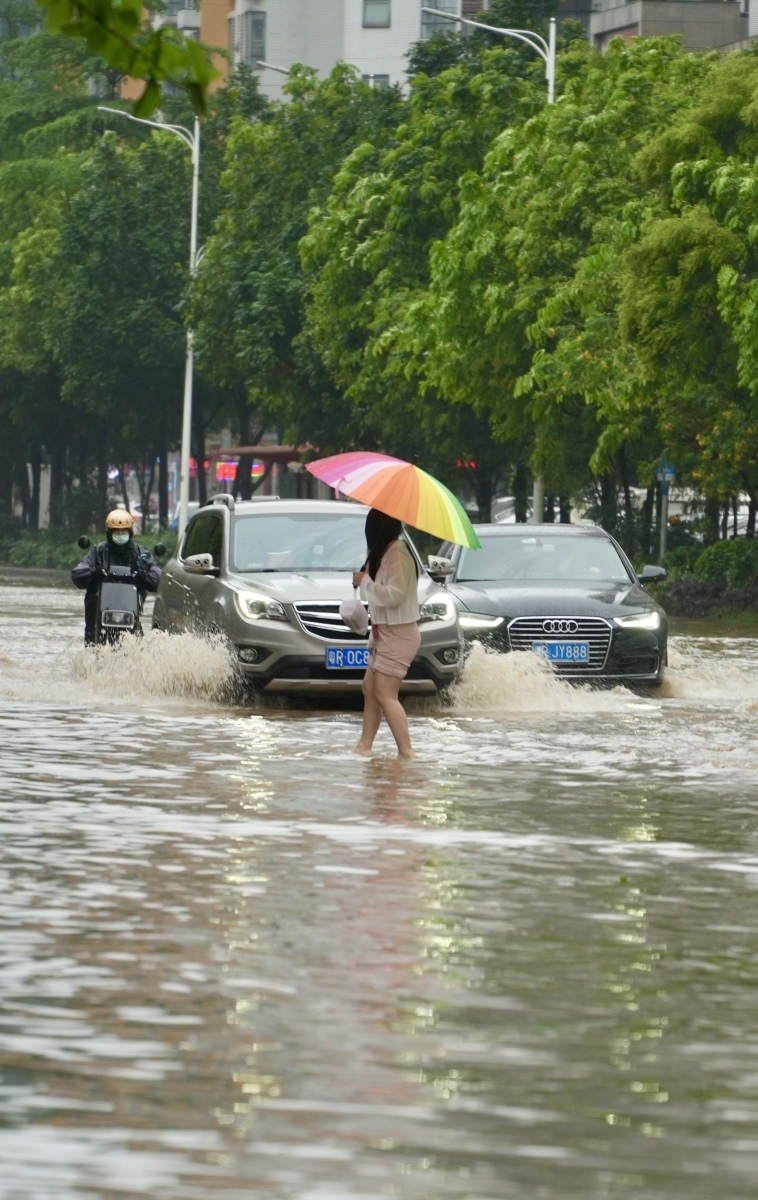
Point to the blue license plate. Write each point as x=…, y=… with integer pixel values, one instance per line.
x=563, y=651
x=346, y=658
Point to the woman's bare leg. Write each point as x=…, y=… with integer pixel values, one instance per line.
x=386, y=695
x=372, y=714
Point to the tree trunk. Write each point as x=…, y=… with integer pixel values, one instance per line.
x=124, y=492
x=201, y=477
x=6, y=479
x=22, y=479
x=549, y=517
x=102, y=482
x=608, y=510
x=724, y=521
x=163, y=514
x=35, y=462
x=57, y=480
x=647, y=523
x=520, y=492
x=752, y=509
x=711, y=521
x=564, y=510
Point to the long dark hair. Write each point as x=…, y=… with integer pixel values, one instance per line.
x=381, y=530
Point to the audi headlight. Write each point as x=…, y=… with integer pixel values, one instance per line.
x=439, y=607
x=648, y=620
x=472, y=620
x=255, y=607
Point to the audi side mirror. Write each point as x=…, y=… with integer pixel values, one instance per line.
x=652, y=574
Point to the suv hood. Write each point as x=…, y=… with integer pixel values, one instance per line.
x=292, y=587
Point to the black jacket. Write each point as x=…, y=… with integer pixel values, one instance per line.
x=100, y=558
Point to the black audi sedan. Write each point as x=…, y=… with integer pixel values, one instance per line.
x=566, y=592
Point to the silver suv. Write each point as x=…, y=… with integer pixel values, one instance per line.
x=270, y=574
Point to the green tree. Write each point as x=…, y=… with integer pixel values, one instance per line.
x=367, y=255
x=249, y=301
x=510, y=283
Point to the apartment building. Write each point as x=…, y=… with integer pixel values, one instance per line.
x=373, y=35
x=702, y=24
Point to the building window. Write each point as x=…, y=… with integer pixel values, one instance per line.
x=376, y=14
x=254, y=38
x=377, y=81
x=430, y=24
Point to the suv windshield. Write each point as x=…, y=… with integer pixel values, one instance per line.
x=561, y=558
x=299, y=541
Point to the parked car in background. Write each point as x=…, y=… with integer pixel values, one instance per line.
x=566, y=592
x=270, y=575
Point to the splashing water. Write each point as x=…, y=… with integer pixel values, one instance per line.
x=695, y=673
x=525, y=683
x=159, y=665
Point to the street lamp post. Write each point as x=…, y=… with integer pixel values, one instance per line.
x=546, y=51
x=192, y=140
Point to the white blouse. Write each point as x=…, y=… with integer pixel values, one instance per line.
x=393, y=595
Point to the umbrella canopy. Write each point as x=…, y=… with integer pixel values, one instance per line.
x=401, y=490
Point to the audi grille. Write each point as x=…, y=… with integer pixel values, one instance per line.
x=523, y=632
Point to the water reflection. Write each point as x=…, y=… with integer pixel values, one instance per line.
x=235, y=961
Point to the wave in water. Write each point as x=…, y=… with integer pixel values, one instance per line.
x=160, y=665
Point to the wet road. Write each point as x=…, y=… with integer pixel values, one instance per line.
x=236, y=962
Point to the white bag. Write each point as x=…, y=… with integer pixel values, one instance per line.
x=354, y=615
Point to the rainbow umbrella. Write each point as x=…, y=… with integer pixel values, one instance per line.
x=401, y=490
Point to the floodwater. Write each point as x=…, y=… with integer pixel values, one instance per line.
x=238, y=962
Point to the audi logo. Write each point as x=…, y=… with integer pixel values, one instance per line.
x=560, y=626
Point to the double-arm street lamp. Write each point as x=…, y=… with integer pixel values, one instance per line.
x=192, y=140
x=546, y=51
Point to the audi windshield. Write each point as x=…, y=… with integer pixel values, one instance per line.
x=539, y=558
x=300, y=541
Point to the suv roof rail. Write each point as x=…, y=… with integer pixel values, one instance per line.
x=225, y=498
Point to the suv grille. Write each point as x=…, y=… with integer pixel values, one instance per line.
x=525, y=630
x=322, y=617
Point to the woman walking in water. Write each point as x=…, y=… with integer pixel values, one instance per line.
x=389, y=582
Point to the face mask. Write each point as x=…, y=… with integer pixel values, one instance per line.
x=120, y=539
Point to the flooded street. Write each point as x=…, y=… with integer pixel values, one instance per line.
x=239, y=963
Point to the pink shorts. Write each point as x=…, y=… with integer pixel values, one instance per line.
x=393, y=648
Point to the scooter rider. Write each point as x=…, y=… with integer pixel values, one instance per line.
x=118, y=550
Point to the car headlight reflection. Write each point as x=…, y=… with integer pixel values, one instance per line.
x=439, y=607
x=648, y=620
x=472, y=620
x=255, y=607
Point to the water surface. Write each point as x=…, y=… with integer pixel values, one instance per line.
x=235, y=961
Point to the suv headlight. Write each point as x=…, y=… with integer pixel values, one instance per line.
x=255, y=607
x=648, y=620
x=439, y=607
x=471, y=620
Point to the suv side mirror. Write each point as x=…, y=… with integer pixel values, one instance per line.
x=440, y=568
x=84, y=543
x=159, y=550
x=652, y=574
x=200, y=564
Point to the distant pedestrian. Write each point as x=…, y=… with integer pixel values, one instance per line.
x=389, y=581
